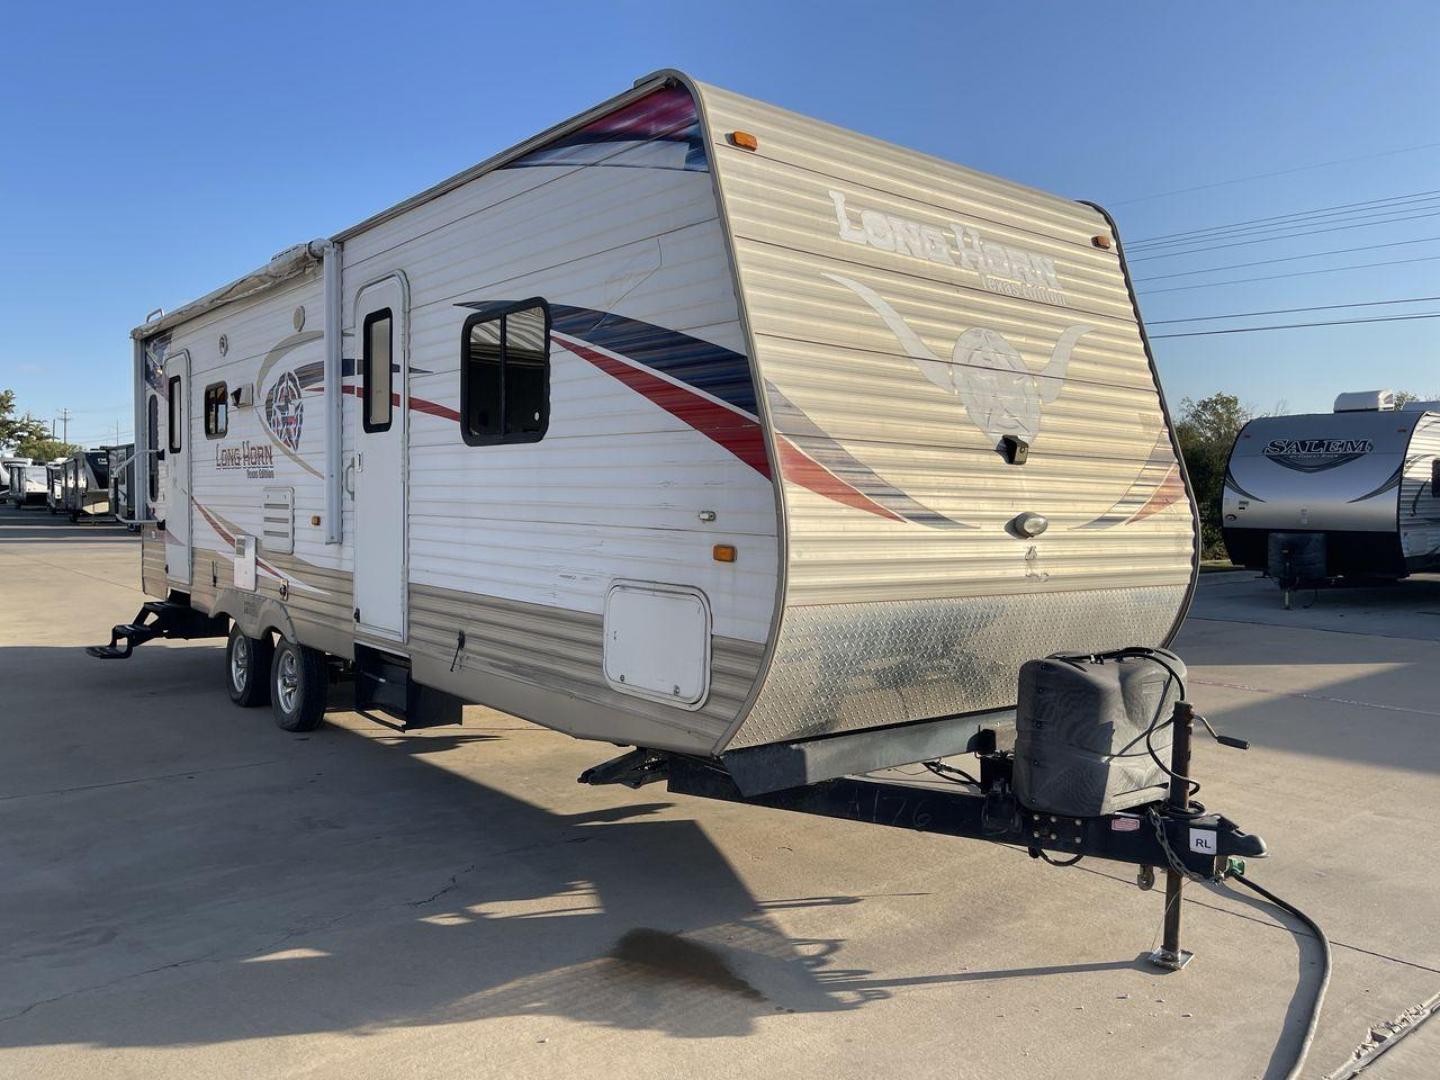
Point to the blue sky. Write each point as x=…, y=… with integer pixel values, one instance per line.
x=151, y=152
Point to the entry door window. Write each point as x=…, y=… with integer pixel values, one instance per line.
x=378, y=377
x=177, y=414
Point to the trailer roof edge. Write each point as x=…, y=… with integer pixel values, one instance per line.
x=311, y=252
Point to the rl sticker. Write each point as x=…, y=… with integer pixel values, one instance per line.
x=1202, y=841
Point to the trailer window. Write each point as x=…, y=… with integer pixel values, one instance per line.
x=177, y=414
x=378, y=375
x=505, y=375
x=217, y=410
x=152, y=444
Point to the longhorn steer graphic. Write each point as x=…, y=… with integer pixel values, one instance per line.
x=1001, y=395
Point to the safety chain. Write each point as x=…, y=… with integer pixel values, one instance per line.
x=1173, y=859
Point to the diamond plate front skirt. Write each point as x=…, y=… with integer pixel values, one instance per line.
x=844, y=667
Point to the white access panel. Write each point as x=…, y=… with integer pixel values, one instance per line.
x=657, y=642
x=245, y=563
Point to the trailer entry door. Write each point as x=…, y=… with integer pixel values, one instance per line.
x=174, y=464
x=379, y=464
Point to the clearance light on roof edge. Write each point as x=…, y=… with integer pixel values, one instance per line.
x=744, y=140
x=1102, y=241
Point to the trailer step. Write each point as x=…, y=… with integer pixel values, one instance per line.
x=159, y=618
x=383, y=685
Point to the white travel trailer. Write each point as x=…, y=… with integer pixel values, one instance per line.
x=1350, y=493
x=6, y=464
x=27, y=483
x=690, y=424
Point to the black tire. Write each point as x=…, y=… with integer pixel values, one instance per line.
x=297, y=686
x=247, y=668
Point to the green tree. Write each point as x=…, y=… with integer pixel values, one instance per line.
x=42, y=447
x=1206, y=431
x=27, y=437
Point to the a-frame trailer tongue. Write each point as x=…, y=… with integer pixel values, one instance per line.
x=1177, y=833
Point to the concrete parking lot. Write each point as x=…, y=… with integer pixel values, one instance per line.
x=189, y=891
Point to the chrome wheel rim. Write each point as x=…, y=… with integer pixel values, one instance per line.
x=240, y=662
x=287, y=686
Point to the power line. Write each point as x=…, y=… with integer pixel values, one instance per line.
x=1290, y=236
x=1287, y=258
x=1278, y=172
x=1297, y=326
x=1275, y=231
x=1290, y=310
x=1296, y=273
x=1368, y=203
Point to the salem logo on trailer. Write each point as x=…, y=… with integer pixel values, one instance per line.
x=1316, y=455
x=285, y=411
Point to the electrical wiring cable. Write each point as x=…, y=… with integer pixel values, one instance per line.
x=1299, y=326
x=1181, y=237
x=1318, y=1001
x=1288, y=311
x=1291, y=258
x=1292, y=274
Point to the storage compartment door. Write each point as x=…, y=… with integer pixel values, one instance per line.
x=657, y=642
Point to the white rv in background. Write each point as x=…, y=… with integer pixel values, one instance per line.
x=27, y=485
x=689, y=424
x=6, y=464
x=1349, y=493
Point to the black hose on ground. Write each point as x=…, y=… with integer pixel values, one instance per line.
x=1299, y=1062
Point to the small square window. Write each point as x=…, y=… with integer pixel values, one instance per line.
x=505, y=375
x=217, y=410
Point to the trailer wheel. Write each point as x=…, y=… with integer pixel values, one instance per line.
x=247, y=668
x=297, y=686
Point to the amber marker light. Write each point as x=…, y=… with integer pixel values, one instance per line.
x=724, y=552
x=744, y=140
x=1102, y=241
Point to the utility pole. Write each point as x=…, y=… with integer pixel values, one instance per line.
x=64, y=419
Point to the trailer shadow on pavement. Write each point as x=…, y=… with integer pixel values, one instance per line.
x=30, y=524
x=178, y=840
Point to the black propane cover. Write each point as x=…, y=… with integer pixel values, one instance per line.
x=1080, y=732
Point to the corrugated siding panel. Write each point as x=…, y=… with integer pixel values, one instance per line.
x=830, y=151
x=258, y=330
x=906, y=313
x=153, y=579
x=560, y=649
x=617, y=486
x=843, y=365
